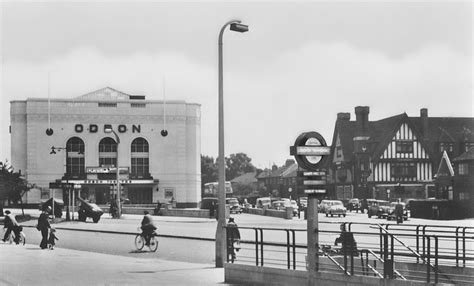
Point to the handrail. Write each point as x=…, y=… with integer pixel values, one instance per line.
x=375, y=271
x=381, y=260
x=334, y=261
x=434, y=267
x=402, y=243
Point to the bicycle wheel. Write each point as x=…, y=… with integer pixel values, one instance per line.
x=139, y=242
x=22, y=238
x=153, y=243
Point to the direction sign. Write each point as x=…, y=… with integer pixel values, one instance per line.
x=315, y=191
x=310, y=150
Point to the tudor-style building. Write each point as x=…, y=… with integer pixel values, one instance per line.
x=395, y=157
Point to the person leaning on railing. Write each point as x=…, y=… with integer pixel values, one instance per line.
x=346, y=238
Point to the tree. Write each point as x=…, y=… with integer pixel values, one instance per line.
x=13, y=185
x=209, y=171
x=237, y=165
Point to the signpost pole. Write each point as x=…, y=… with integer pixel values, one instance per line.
x=313, y=238
x=73, y=191
x=309, y=150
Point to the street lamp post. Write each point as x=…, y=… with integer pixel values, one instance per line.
x=108, y=129
x=235, y=25
x=53, y=151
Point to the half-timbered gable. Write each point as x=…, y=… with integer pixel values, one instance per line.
x=404, y=158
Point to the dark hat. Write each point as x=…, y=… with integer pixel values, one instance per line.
x=231, y=219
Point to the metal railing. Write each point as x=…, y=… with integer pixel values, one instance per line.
x=378, y=243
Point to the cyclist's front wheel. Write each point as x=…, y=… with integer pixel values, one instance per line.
x=153, y=243
x=139, y=242
x=22, y=239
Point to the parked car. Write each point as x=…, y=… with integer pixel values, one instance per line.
x=353, y=205
x=335, y=208
x=323, y=206
x=91, y=210
x=378, y=208
x=365, y=203
x=391, y=211
x=234, y=205
x=58, y=206
x=280, y=205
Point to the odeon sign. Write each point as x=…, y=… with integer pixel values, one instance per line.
x=94, y=128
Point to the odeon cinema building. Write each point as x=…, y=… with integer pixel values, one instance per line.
x=69, y=142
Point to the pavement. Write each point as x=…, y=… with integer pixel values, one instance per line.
x=29, y=265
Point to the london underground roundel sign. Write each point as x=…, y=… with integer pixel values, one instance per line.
x=309, y=150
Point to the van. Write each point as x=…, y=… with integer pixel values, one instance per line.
x=265, y=202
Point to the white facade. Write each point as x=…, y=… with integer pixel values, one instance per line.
x=173, y=161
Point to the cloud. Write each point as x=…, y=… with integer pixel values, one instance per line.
x=268, y=105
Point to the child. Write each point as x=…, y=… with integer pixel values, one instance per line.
x=52, y=237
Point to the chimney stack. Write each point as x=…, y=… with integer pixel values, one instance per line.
x=346, y=116
x=424, y=122
x=362, y=119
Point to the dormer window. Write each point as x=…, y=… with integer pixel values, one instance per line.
x=446, y=146
x=404, y=146
x=468, y=145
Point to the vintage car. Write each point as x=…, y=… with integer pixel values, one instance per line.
x=391, y=211
x=58, y=206
x=234, y=205
x=323, y=206
x=378, y=208
x=91, y=210
x=335, y=208
x=353, y=205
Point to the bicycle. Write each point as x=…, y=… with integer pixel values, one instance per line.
x=11, y=237
x=140, y=241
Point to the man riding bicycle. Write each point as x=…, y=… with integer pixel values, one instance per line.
x=148, y=227
x=11, y=224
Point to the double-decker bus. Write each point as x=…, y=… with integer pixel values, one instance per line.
x=210, y=189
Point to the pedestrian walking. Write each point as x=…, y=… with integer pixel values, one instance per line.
x=233, y=239
x=44, y=226
x=399, y=212
x=156, y=211
x=212, y=209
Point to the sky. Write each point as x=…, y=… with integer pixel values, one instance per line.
x=300, y=64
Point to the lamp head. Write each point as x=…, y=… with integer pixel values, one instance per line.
x=237, y=27
x=108, y=128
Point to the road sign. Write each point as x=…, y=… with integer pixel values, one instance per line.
x=314, y=191
x=310, y=150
